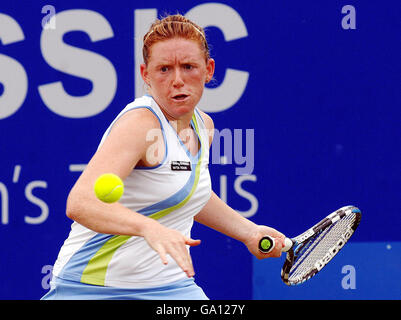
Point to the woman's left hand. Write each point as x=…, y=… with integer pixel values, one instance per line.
x=260, y=231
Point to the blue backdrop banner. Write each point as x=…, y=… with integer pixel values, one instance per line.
x=307, y=108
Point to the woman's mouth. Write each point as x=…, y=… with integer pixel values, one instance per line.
x=180, y=97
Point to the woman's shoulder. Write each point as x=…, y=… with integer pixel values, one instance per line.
x=207, y=120
x=138, y=118
x=208, y=123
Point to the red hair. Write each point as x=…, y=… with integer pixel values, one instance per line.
x=174, y=26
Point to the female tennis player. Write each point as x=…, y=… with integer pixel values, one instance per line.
x=138, y=248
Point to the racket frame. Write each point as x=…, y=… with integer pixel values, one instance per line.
x=301, y=240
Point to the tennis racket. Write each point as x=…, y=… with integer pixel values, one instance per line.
x=309, y=252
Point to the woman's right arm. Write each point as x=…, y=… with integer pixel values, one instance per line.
x=124, y=147
x=121, y=150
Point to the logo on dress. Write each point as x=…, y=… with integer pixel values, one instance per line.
x=181, y=165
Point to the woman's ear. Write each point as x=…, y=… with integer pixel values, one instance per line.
x=145, y=73
x=210, y=64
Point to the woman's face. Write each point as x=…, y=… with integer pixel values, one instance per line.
x=176, y=74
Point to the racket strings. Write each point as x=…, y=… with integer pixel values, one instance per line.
x=317, y=250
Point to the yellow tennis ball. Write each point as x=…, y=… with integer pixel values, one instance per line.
x=109, y=187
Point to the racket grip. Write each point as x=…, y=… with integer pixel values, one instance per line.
x=267, y=243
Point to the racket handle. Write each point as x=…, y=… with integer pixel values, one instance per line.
x=267, y=243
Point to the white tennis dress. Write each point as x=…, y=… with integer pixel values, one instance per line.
x=172, y=192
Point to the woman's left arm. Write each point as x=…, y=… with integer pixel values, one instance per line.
x=216, y=214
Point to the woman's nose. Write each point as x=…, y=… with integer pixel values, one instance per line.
x=178, y=80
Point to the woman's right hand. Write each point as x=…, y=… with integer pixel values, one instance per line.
x=168, y=241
